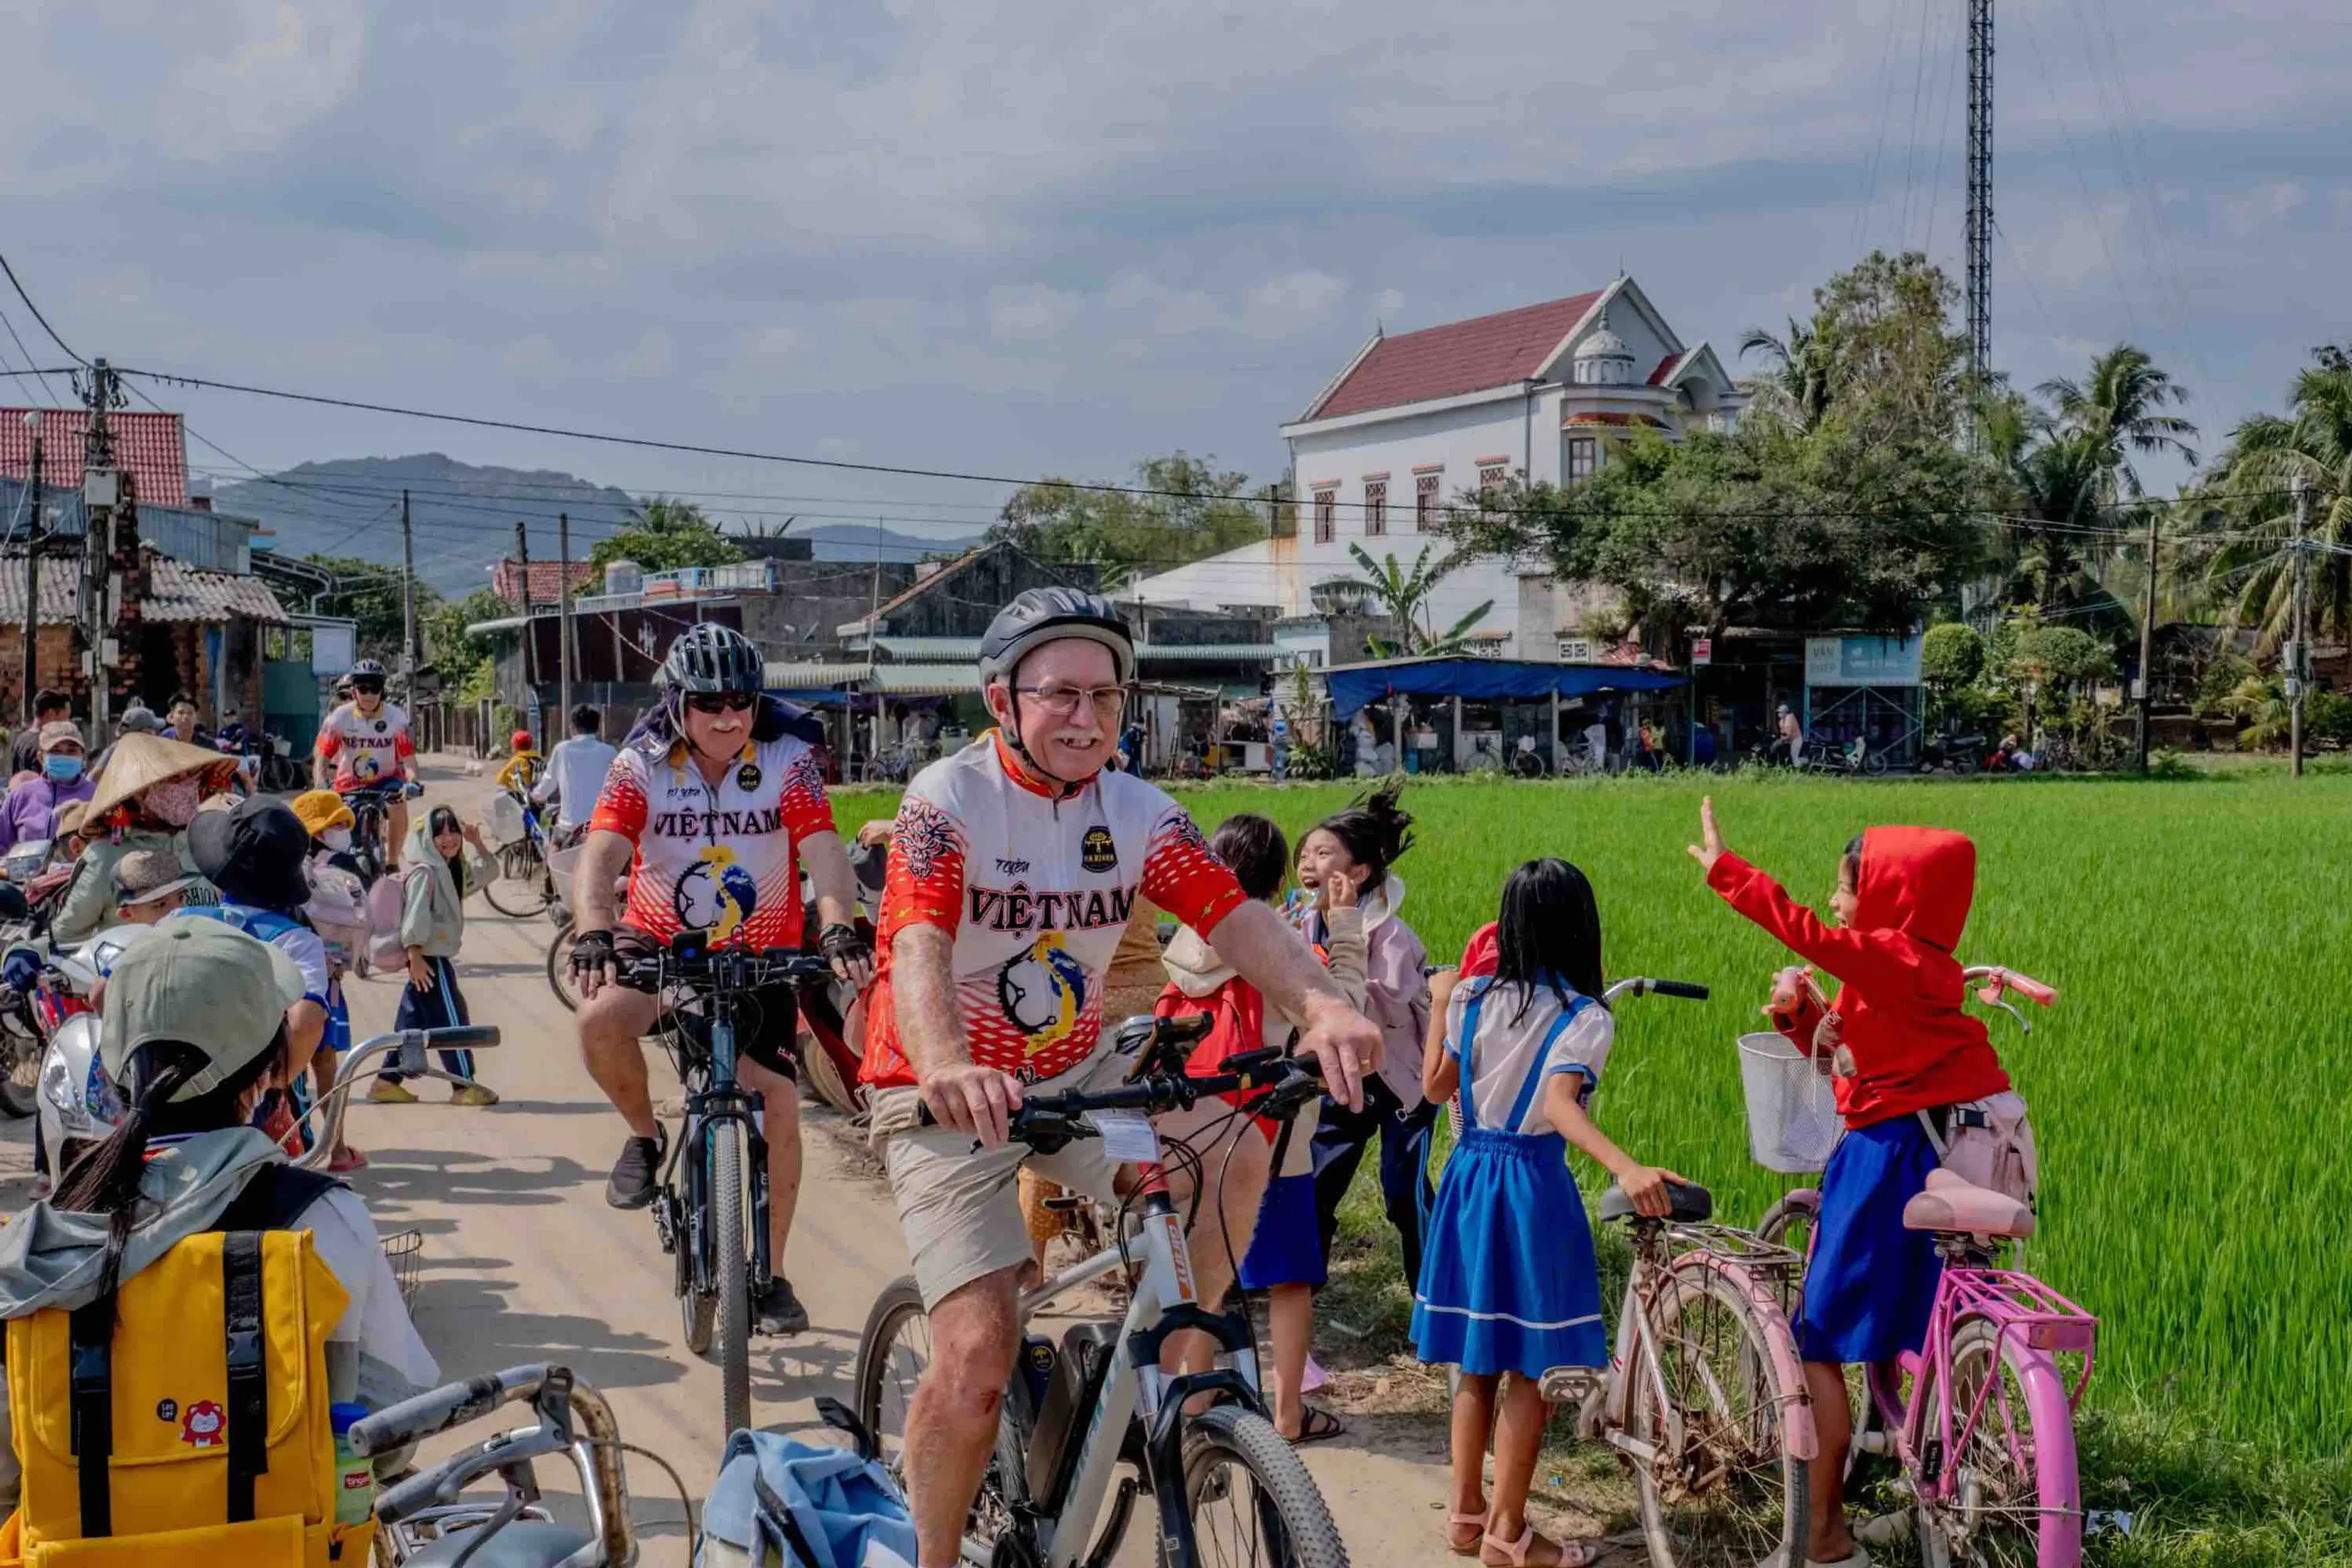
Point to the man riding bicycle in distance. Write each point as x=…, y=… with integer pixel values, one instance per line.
x=710, y=809
x=1012, y=871
x=368, y=742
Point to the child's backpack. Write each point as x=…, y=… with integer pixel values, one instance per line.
x=195, y=1432
x=782, y=1503
x=387, y=899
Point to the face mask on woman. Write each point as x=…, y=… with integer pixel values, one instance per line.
x=336, y=838
x=61, y=767
x=174, y=801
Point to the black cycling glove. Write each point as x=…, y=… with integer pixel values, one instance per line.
x=592, y=950
x=844, y=943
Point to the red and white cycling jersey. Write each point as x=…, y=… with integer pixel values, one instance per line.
x=1036, y=886
x=722, y=858
x=365, y=749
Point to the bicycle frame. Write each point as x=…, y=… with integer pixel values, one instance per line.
x=411, y=1046
x=1164, y=1302
x=722, y=1099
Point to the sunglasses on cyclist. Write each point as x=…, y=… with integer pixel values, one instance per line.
x=372, y=687
x=715, y=702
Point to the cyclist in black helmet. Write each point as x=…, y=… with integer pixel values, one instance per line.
x=710, y=807
x=367, y=742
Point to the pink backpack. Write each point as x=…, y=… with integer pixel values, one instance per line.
x=387, y=902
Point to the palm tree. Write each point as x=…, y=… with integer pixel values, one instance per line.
x=2058, y=478
x=2249, y=493
x=1796, y=390
x=2119, y=409
x=1404, y=596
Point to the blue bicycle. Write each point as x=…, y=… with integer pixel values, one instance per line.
x=711, y=1210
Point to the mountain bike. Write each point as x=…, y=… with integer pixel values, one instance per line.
x=1980, y=1420
x=1704, y=1397
x=525, y=885
x=711, y=1208
x=1229, y=1489
x=371, y=809
x=426, y=1518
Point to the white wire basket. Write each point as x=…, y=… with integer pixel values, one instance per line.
x=403, y=1251
x=1792, y=1120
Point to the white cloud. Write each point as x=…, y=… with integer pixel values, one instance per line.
x=284, y=65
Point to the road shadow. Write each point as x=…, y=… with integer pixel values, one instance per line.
x=404, y=1177
x=472, y=1327
x=564, y=1108
x=802, y=1367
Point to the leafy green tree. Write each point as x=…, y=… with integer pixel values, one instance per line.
x=1404, y=594
x=2247, y=496
x=1952, y=655
x=663, y=535
x=443, y=628
x=1187, y=509
x=2118, y=408
x=1795, y=390
x=1894, y=360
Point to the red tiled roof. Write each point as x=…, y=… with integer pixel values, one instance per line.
x=1461, y=356
x=546, y=580
x=147, y=444
x=1665, y=368
x=1603, y=417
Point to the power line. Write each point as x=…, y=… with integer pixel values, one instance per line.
x=61, y=343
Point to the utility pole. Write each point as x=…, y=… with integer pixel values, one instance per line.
x=530, y=642
x=407, y=604
x=2298, y=653
x=2148, y=644
x=33, y=568
x=563, y=630
x=102, y=492
x=873, y=608
x=1979, y=237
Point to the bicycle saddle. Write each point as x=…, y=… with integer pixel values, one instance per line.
x=1692, y=1204
x=525, y=1544
x=1954, y=1207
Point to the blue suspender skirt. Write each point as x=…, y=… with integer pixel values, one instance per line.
x=1508, y=1278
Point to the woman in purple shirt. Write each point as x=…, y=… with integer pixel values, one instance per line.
x=31, y=810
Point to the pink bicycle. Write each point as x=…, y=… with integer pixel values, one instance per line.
x=1980, y=1419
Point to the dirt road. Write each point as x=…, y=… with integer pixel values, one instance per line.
x=523, y=1262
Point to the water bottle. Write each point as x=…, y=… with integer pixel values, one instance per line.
x=354, y=1475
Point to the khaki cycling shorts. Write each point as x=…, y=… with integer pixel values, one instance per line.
x=958, y=1203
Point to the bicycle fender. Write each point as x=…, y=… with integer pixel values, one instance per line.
x=1798, y=1433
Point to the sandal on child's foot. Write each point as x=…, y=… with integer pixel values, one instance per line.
x=1524, y=1552
x=1455, y=1523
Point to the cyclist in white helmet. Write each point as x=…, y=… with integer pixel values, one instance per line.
x=1013, y=868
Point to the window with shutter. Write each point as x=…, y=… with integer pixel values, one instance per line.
x=1424, y=501
x=1327, y=512
x=1376, y=508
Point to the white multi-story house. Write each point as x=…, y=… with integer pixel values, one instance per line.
x=1412, y=422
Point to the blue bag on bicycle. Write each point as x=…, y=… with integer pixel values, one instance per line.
x=782, y=1503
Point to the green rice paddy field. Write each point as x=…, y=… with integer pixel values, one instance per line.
x=2192, y=1092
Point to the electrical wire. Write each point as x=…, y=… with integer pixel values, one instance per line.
x=36, y=309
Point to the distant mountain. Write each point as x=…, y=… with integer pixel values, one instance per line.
x=464, y=515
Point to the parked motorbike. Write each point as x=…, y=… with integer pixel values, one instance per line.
x=1964, y=754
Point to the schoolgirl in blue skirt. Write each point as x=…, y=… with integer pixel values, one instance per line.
x=1509, y=1282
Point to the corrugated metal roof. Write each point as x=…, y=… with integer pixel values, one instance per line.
x=147, y=444
x=934, y=648
x=176, y=591
x=814, y=675
x=949, y=649
x=895, y=679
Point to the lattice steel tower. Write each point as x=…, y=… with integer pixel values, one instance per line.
x=1980, y=188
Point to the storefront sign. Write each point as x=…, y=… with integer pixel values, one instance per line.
x=1862, y=661
x=1702, y=650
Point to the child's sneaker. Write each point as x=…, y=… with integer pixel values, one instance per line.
x=386, y=1093
x=472, y=1094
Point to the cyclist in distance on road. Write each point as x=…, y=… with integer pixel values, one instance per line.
x=368, y=742
x=710, y=809
x=1014, y=871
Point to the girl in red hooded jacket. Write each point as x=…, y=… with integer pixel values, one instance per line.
x=1898, y=1044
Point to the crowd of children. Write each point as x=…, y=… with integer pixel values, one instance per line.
x=1517, y=1039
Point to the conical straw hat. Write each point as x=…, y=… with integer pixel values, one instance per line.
x=139, y=761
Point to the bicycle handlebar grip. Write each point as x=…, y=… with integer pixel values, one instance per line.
x=438, y=1409
x=2025, y=986
x=462, y=1036
x=1690, y=989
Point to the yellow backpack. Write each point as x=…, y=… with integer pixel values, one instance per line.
x=196, y=1433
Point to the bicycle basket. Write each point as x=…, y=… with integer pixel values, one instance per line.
x=1792, y=1120
x=404, y=1252
x=502, y=819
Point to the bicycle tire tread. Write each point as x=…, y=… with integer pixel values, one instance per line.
x=1280, y=1473
x=731, y=1335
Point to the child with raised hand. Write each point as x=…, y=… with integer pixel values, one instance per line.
x=1509, y=1283
x=1286, y=1253
x=1903, y=1053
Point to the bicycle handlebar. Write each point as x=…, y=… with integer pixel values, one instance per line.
x=438, y=1410
x=746, y=967
x=1998, y=980
x=1642, y=985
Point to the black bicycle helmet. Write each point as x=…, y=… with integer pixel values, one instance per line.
x=1040, y=616
x=713, y=657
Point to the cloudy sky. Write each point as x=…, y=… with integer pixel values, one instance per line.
x=1053, y=237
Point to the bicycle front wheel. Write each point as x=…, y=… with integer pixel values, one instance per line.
x=523, y=887
x=1251, y=1500
x=1708, y=1392
x=730, y=1271
x=892, y=1355
x=559, y=966
x=2016, y=1497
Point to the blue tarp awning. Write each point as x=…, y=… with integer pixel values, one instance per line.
x=1482, y=680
